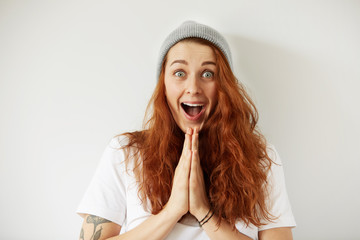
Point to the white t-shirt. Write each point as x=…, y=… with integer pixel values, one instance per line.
x=113, y=195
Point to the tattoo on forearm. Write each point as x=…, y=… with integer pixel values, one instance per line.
x=96, y=221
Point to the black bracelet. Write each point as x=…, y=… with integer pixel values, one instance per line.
x=212, y=214
x=205, y=216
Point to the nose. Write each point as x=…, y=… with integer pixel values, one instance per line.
x=193, y=86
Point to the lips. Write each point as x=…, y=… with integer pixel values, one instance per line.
x=193, y=111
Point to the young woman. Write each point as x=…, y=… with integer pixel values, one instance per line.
x=200, y=169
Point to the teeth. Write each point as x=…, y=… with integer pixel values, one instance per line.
x=193, y=105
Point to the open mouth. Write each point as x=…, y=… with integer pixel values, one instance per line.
x=193, y=110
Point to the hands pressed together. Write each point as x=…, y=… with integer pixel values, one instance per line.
x=188, y=190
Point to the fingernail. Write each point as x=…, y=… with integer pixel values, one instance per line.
x=189, y=130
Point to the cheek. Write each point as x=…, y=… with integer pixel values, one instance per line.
x=172, y=92
x=171, y=96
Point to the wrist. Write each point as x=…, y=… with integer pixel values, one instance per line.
x=172, y=213
x=207, y=217
x=201, y=213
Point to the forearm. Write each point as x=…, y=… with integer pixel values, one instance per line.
x=156, y=227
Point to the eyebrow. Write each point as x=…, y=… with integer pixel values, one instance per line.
x=186, y=63
x=208, y=62
x=179, y=61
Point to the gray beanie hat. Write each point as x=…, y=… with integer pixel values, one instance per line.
x=193, y=29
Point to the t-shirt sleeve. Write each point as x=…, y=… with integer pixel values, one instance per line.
x=106, y=195
x=278, y=200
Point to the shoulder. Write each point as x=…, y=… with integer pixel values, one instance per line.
x=114, y=154
x=128, y=140
x=122, y=150
x=114, y=149
x=120, y=144
x=273, y=154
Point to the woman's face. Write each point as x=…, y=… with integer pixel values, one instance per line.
x=190, y=84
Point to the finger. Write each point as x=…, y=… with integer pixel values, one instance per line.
x=187, y=163
x=193, y=167
x=189, y=134
x=183, y=168
x=185, y=158
x=195, y=140
x=195, y=162
x=187, y=141
x=196, y=170
x=195, y=152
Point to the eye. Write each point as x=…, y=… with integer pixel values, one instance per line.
x=208, y=74
x=179, y=74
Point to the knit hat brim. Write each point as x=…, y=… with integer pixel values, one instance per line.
x=191, y=29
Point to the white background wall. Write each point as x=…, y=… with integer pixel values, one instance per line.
x=75, y=73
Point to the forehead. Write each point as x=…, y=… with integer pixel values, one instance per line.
x=191, y=50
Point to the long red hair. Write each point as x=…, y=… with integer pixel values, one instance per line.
x=236, y=161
